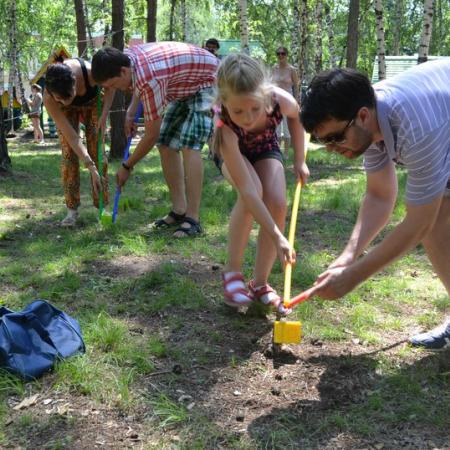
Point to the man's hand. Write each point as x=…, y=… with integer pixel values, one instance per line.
x=122, y=176
x=333, y=283
x=130, y=126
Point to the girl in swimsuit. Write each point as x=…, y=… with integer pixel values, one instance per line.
x=247, y=149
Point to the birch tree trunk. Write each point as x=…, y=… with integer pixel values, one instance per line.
x=5, y=160
x=81, y=27
x=117, y=114
x=152, y=6
x=13, y=66
x=295, y=45
x=184, y=22
x=243, y=22
x=319, y=31
x=331, y=44
x=397, y=27
x=173, y=4
x=88, y=28
x=303, y=41
x=381, y=52
x=352, y=34
x=426, y=31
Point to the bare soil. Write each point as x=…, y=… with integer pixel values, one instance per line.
x=243, y=388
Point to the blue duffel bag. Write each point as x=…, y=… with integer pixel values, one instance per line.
x=32, y=340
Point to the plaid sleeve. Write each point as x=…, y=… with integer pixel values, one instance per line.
x=153, y=96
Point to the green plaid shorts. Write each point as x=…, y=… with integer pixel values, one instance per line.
x=188, y=123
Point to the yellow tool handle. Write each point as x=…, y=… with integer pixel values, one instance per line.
x=291, y=236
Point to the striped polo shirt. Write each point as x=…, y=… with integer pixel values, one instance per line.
x=413, y=111
x=166, y=71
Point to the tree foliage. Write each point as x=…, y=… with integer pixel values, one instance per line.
x=42, y=25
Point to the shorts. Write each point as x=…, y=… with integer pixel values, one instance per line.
x=283, y=129
x=447, y=189
x=188, y=123
x=253, y=159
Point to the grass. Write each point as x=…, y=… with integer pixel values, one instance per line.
x=148, y=303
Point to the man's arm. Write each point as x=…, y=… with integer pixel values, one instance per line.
x=419, y=220
x=144, y=146
x=108, y=98
x=374, y=213
x=131, y=113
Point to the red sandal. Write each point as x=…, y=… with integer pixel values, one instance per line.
x=261, y=291
x=235, y=293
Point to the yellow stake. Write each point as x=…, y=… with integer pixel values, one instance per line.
x=291, y=236
x=290, y=332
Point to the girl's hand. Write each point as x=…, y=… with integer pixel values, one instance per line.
x=286, y=253
x=301, y=171
x=101, y=125
x=96, y=180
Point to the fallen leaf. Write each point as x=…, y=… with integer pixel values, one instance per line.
x=27, y=402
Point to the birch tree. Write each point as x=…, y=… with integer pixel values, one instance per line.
x=331, y=43
x=152, y=6
x=303, y=41
x=397, y=27
x=81, y=27
x=117, y=114
x=13, y=65
x=295, y=40
x=5, y=160
x=352, y=34
x=426, y=31
x=173, y=4
x=381, y=52
x=319, y=32
x=243, y=26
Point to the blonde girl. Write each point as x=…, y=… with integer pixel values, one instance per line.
x=248, y=153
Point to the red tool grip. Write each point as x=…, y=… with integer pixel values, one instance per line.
x=297, y=299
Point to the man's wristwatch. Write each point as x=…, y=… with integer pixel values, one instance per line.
x=127, y=167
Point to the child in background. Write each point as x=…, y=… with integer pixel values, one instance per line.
x=248, y=153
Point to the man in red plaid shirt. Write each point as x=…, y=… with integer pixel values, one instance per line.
x=174, y=81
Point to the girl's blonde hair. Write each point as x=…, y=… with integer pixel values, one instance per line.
x=239, y=74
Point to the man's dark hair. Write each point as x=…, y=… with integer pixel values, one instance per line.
x=213, y=41
x=59, y=80
x=107, y=63
x=338, y=94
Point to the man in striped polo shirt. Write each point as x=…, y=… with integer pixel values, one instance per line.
x=404, y=120
x=174, y=81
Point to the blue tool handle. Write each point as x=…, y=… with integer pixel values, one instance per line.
x=116, y=205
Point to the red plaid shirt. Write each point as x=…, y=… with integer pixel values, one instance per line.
x=167, y=71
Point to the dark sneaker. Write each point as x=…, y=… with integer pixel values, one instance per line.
x=436, y=339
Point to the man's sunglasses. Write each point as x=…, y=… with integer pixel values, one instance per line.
x=336, y=138
x=281, y=53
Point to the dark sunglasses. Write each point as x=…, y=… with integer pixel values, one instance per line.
x=336, y=138
x=281, y=53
